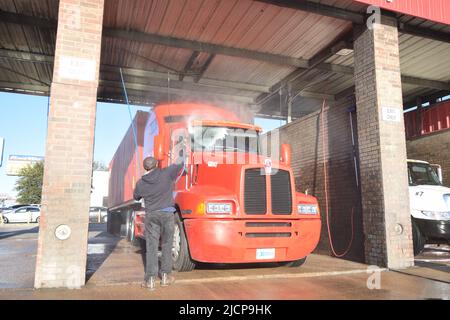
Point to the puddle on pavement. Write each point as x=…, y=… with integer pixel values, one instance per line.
x=99, y=248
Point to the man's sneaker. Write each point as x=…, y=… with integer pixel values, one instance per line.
x=149, y=284
x=167, y=280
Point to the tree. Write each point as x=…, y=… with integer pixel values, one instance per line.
x=99, y=166
x=29, y=184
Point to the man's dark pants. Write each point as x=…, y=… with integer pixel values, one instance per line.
x=159, y=224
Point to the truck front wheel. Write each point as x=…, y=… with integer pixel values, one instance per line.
x=419, y=239
x=180, y=251
x=296, y=263
x=132, y=231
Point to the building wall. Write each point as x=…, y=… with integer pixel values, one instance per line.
x=100, y=186
x=433, y=148
x=305, y=137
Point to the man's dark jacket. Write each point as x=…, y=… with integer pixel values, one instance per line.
x=156, y=187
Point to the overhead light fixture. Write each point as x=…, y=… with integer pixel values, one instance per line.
x=344, y=52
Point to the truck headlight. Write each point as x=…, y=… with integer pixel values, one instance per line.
x=307, y=208
x=437, y=215
x=219, y=207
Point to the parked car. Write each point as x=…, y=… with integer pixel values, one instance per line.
x=98, y=214
x=11, y=208
x=22, y=214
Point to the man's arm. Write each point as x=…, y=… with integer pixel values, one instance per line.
x=137, y=193
x=175, y=170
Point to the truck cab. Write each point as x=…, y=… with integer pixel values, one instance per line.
x=429, y=203
x=234, y=204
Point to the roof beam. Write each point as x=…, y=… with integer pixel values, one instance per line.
x=424, y=32
x=12, y=17
x=189, y=64
x=30, y=87
x=165, y=41
x=408, y=102
x=182, y=91
x=26, y=56
x=175, y=42
x=320, y=9
x=42, y=58
x=203, y=47
x=441, y=85
x=355, y=17
x=213, y=83
x=315, y=61
x=204, y=68
x=188, y=80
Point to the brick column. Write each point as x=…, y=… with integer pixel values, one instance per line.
x=62, y=246
x=382, y=147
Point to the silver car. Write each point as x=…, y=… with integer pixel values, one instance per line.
x=22, y=214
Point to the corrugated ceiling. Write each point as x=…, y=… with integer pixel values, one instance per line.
x=244, y=24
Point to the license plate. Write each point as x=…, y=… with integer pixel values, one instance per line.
x=265, y=254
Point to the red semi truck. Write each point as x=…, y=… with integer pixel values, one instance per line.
x=234, y=205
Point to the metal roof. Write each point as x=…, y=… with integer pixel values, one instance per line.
x=250, y=47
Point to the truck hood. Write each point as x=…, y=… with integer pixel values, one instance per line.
x=429, y=198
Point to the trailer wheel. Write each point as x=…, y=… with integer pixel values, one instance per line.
x=419, y=239
x=180, y=250
x=296, y=263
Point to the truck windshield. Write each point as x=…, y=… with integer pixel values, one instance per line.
x=422, y=174
x=224, y=139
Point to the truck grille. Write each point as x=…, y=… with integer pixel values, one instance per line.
x=255, y=192
x=281, y=192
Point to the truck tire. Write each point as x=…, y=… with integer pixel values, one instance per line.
x=296, y=263
x=180, y=251
x=419, y=239
x=132, y=232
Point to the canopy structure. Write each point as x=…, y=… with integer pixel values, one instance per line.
x=258, y=54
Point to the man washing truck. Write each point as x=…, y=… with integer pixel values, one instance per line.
x=234, y=203
x=156, y=188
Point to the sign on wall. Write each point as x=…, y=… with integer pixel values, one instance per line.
x=391, y=114
x=17, y=162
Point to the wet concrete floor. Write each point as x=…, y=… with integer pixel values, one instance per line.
x=115, y=268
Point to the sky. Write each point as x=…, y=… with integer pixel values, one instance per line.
x=23, y=125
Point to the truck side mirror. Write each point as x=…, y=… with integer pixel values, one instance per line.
x=286, y=154
x=158, y=147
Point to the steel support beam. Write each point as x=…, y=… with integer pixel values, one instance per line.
x=204, y=68
x=5, y=86
x=203, y=47
x=316, y=61
x=189, y=65
x=42, y=58
x=318, y=8
x=184, y=91
x=213, y=83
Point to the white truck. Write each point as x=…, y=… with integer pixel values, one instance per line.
x=429, y=203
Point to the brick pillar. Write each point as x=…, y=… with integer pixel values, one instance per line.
x=62, y=245
x=382, y=147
